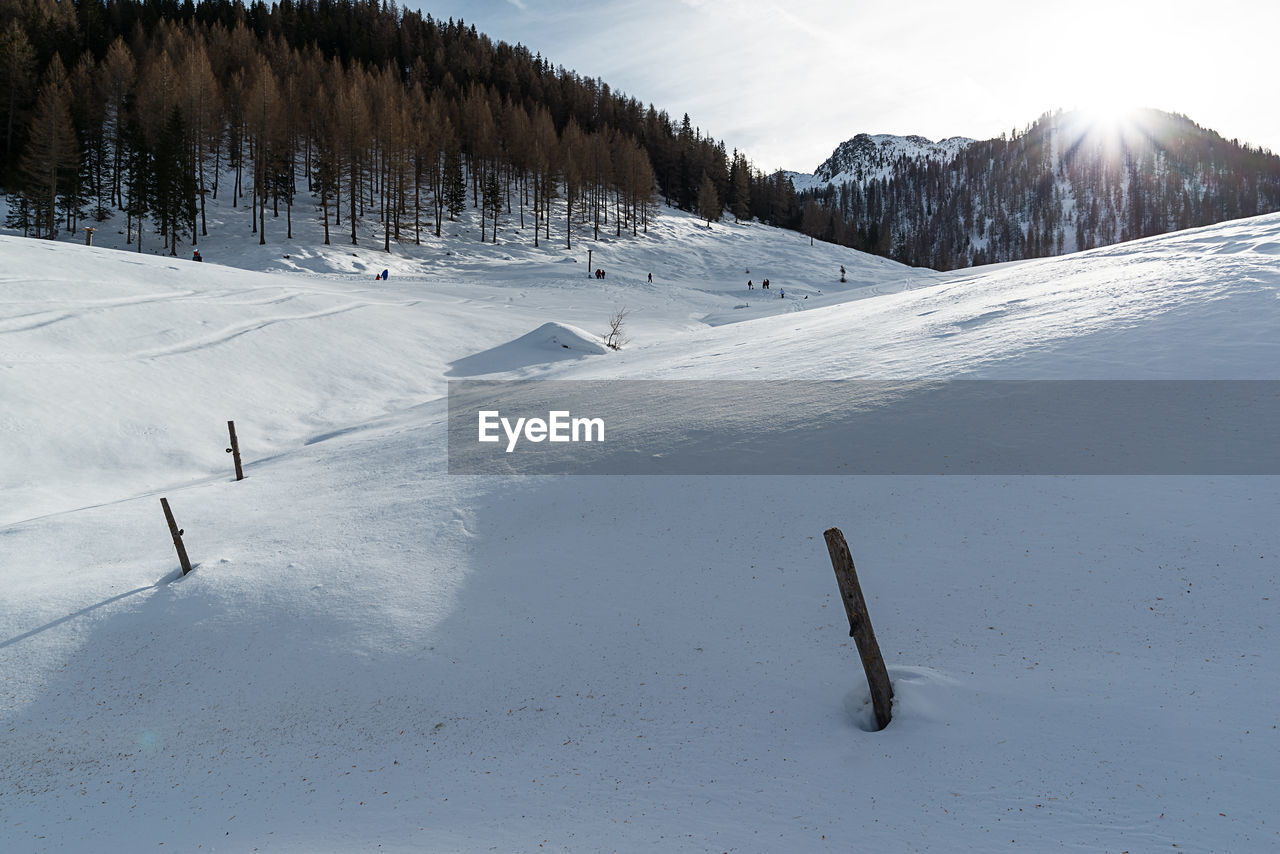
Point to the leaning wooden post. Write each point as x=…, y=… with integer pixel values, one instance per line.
x=177, y=537
x=234, y=450
x=860, y=627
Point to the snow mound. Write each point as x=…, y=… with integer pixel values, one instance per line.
x=550, y=336
x=550, y=342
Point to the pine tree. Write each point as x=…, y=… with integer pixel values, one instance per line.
x=137, y=175
x=492, y=200
x=18, y=216
x=172, y=188
x=455, y=185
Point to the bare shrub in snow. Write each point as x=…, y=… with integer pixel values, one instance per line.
x=616, y=338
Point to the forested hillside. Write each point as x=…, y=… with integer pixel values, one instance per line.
x=359, y=113
x=343, y=111
x=1067, y=182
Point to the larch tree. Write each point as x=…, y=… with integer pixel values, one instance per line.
x=87, y=117
x=202, y=111
x=709, y=201
x=740, y=188
x=263, y=123
x=52, y=153
x=813, y=220
x=421, y=150
x=352, y=127
x=542, y=157
x=118, y=72
x=572, y=152
x=599, y=175
x=326, y=170
x=17, y=71
x=480, y=144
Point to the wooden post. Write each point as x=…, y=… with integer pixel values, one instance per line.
x=88, y=235
x=177, y=537
x=234, y=450
x=860, y=627
x=589, y=270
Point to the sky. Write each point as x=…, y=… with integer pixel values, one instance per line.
x=786, y=82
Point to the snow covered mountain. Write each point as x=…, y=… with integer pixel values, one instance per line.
x=1071, y=181
x=374, y=654
x=867, y=156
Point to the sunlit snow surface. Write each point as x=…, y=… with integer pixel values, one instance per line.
x=372, y=652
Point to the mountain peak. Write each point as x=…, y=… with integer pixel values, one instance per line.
x=866, y=156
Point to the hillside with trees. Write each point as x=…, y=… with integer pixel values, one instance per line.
x=344, y=111
x=1066, y=183
x=356, y=113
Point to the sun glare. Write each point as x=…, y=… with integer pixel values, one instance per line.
x=1108, y=117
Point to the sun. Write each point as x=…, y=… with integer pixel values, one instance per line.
x=1108, y=116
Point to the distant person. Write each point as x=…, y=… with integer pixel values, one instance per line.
x=195, y=256
x=383, y=276
x=750, y=285
x=782, y=294
x=651, y=278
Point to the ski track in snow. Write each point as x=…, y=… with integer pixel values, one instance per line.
x=233, y=332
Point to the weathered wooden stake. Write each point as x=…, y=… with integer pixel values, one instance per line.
x=177, y=537
x=234, y=450
x=860, y=627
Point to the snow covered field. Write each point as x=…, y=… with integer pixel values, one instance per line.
x=373, y=654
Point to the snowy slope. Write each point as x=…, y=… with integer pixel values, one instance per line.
x=373, y=653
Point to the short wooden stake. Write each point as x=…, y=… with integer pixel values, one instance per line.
x=234, y=450
x=860, y=627
x=177, y=537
